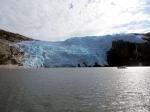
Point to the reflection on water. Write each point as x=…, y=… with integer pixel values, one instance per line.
x=75, y=90
x=135, y=90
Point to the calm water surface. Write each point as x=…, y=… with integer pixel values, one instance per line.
x=75, y=90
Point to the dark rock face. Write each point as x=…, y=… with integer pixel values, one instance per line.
x=9, y=54
x=130, y=54
x=122, y=53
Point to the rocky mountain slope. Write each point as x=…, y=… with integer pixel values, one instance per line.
x=9, y=54
x=125, y=53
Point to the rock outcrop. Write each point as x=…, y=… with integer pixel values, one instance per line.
x=125, y=53
x=9, y=54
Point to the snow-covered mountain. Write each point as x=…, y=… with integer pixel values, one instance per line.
x=72, y=52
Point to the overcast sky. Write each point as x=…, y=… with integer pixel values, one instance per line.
x=60, y=19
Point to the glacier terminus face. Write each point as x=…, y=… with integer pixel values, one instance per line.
x=71, y=52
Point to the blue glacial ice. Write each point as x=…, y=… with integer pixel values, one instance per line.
x=71, y=52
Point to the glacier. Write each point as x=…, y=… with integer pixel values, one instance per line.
x=71, y=52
